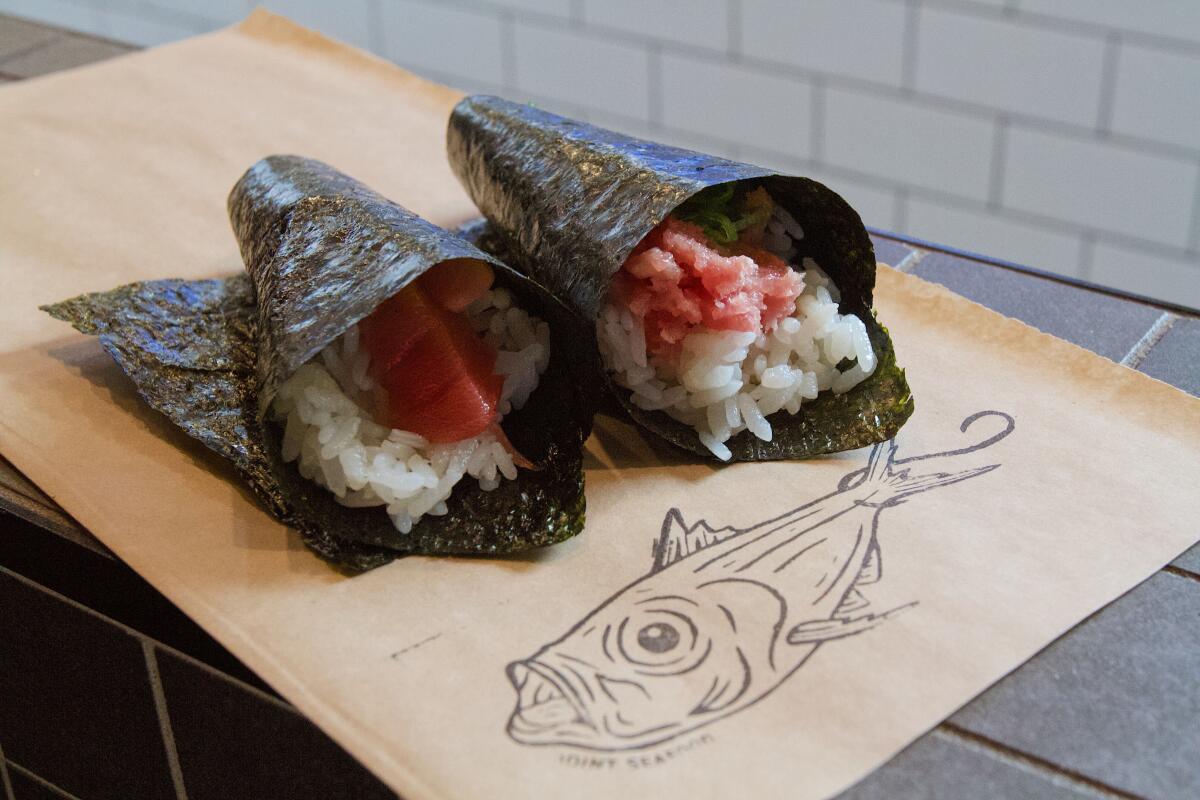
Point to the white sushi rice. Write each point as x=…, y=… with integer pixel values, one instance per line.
x=725, y=382
x=328, y=430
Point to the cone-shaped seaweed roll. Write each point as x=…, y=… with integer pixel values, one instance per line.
x=731, y=305
x=383, y=385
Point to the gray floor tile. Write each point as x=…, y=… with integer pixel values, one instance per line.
x=228, y=740
x=1116, y=699
x=63, y=53
x=941, y=765
x=1176, y=360
x=1176, y=357
x=18, y=36
x=1104, y=324
x=77, y=706
x=889, y=251
x=1190, y=560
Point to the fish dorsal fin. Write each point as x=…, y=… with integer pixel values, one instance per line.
x=677, y=540
x=872, y=568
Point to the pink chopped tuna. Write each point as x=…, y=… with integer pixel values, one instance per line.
x=677, y=280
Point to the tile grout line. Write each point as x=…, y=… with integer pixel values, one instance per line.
x=577, y=23
x=1050, y=22
x=996, y=169
x=1142, y=348
x=911, y=260
x=164, y=720
x=838, y=80
x=38, y=779
x=1108, y=84
x=899, y=208
x=733, y=30
x=654, y=86
x=377, y=42
x=13, y=56
x=508, y=52
x=166, y=648
x=1180, y=572
x=817, y=122
x=1087, y=254
x=1194, y=237
x=4, y=779
x=1033, y=762
x=908, y=64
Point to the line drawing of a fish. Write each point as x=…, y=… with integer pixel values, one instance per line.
x=723, y=617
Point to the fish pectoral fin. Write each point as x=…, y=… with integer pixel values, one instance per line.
x=816, y=631
x=853, y=601
x=872, y=568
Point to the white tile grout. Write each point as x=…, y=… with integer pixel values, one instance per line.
x=4, y=779
x=1194, y=239
x=1137, y=354
x=375, y=29
x=817, y=122
x=1108, y=84
x=900, y=209
x=38, y=779
x=141, y=637
x=1048, y=22
x=910, y=261
x=903, y=89
x=164, y=720
x=911, y=46
x=1087, y=254
x=508, y=51
x=996, y=169
x=733, y=29
x=654, y=86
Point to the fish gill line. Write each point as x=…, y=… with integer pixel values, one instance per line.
x=845, y=566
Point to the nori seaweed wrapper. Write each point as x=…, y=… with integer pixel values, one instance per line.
x=321, y=252
x=567, y=202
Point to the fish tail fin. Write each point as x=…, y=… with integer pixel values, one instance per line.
x=893, y=486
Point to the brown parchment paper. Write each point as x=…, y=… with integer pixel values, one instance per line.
x=119, y=172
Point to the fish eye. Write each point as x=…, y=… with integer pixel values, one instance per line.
x=658, y=637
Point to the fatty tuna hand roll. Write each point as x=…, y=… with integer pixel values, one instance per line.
x=383, y=385
x=731, y=306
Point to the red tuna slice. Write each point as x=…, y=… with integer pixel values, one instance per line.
x=437, y=373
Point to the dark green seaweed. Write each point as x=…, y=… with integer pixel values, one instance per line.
x=567, y=202
x=322, y=251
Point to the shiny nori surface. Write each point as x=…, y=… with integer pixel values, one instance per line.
x=567, y=202
x=322, y=251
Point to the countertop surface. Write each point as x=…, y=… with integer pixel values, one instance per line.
x=1111, y=709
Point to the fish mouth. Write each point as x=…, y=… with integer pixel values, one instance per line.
x=548, y=710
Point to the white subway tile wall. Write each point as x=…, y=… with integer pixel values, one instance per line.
x=774, y=116
x=1157, y=96
x=1064, y=134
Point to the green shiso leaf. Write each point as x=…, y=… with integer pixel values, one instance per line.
x=716, y=211
x=710, y=209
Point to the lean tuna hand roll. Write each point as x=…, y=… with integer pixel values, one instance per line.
x=384, y=386
x=731, y=306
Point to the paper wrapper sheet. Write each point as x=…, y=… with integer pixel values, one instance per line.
x=119, y=172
